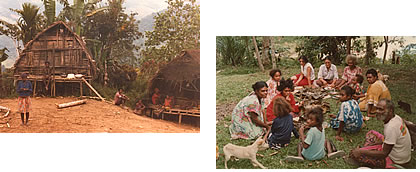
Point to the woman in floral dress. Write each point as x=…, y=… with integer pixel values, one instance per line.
x=247, y=117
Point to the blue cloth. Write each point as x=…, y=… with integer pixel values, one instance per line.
x=281, y=131
x=316, y=140
x=24, y=93
x=351, y=115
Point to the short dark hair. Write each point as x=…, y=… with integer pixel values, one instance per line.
x=285, y=84
x=274, y=71
x=359, y=78
x=258, y=85
x=304, y=58
x=372, y=72
x=327, y=58
x=47, y=62
x=348, y=90
x=317, y=112
x=281, y=107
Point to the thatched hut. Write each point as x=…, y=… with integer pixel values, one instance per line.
x=180, y=78
x=63, y=49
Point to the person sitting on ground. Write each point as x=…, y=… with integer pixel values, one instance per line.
x=156, y=96
x=327, y=75
x=377, y=90
x=47, y=75
x=394, y=147
x=350, y=71
x=247, y=116
x=307, y=74
x=120, y=98
x=140, y=107
x=349, y=117
x=24, y=91
x=272, y=83
x=357, y=86
x=285, y=90
x=313, y=144
x=282, y=125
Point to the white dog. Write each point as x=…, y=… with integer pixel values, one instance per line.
x=249, y=152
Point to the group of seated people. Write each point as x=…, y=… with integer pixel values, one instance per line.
x=120, y=98
x=269, y=110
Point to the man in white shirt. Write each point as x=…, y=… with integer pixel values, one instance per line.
x=396, y=147
x=327, y=75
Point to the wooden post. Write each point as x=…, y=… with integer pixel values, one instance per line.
x=34, y=88
x=90, y=86
x=81, y=89
x=179, y=117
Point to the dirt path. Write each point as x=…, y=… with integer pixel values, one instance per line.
x=92, y=117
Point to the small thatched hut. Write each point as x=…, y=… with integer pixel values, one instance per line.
x=180, y=78
x=62, y=48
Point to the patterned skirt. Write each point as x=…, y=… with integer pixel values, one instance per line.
x=24, y=104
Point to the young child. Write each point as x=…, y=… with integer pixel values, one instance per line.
x=272, y=83
x=349, y=117
x=168, y=101
x=282, y=124
x=313, y=144
x=140, y=107
x=357, y=86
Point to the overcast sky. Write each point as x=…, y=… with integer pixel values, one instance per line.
x=142, y=7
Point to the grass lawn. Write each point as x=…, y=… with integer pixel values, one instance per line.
x=231, y=88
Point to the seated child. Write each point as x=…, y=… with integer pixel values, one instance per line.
x=357, y=86
x=139, y=108
x=349, y=117
x=282, y=124
x=312, y=146
x=168, y=101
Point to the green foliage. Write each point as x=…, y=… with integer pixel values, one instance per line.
x=49, y=12
x=176, y=29
x=232, y=88
x=231, y=50
x=316, y=47
x=408, y=55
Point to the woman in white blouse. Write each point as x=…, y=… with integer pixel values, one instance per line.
x=306, y=75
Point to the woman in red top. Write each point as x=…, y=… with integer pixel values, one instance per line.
x=285, y=88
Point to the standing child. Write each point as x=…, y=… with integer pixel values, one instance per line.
x=24, y=90
x=282, y=124
x=313, y=144
x=349, y=116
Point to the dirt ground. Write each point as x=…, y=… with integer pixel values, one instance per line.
x=92, y=117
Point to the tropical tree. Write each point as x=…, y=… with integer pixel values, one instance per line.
x=176, y=29
x=30, y=22
x=257, y=54
x=111, y=34
x=370, y=54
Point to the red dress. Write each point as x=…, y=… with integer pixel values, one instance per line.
x=270, y=113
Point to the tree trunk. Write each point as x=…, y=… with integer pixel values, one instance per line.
x=386, y=38
x=393, y=57
x=257, y=54
x=369, y=50
x=266, y=46
x=348, y=38
x=273, y=57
